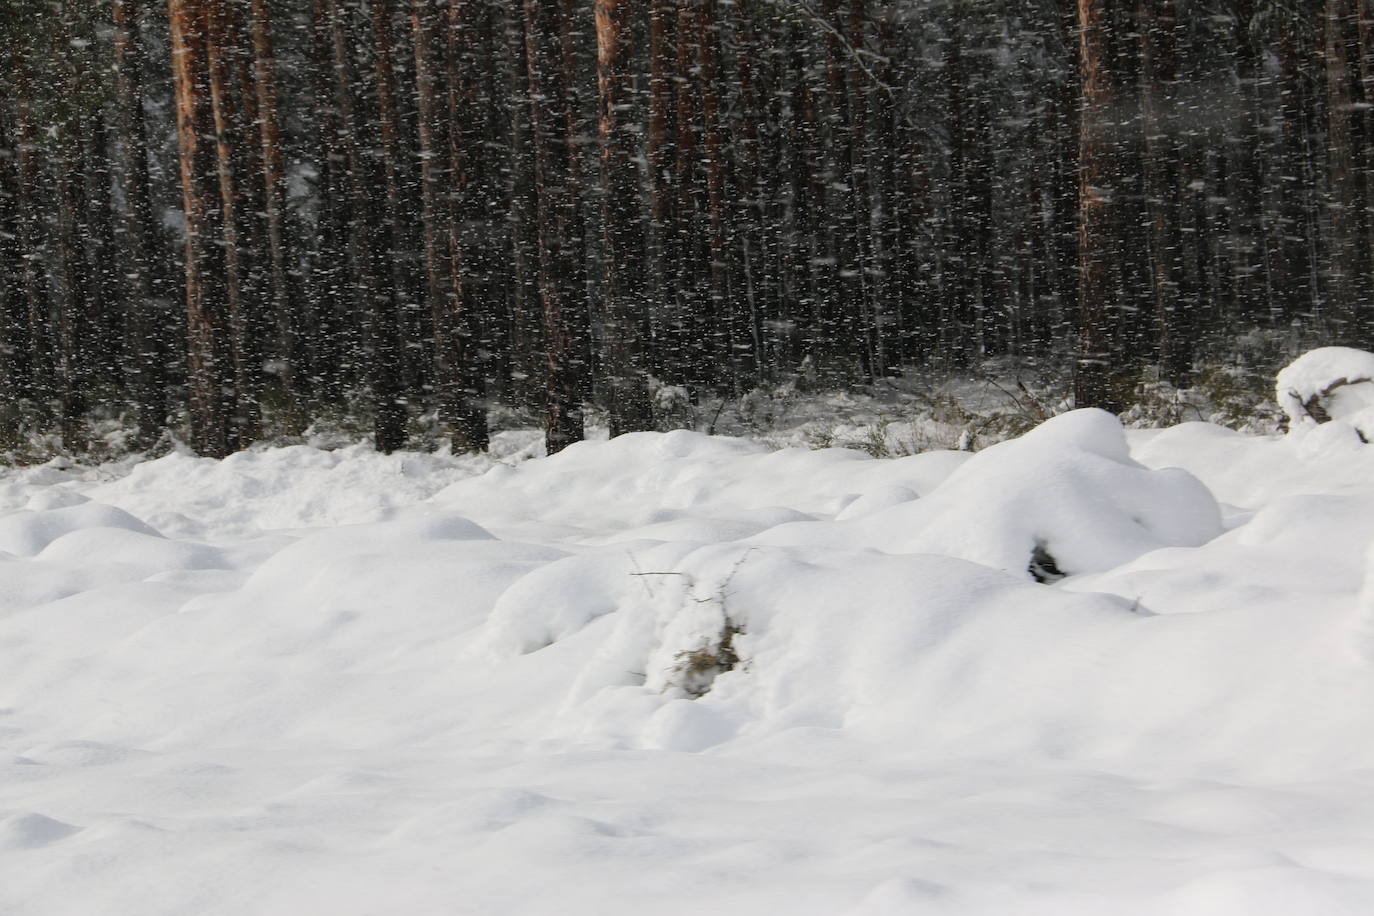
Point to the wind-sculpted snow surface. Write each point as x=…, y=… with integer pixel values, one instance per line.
x=680, y=674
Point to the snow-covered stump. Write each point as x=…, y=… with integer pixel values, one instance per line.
x=1329, y=385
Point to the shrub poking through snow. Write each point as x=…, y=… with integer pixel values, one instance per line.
x=1329, y=384
x=697, y=669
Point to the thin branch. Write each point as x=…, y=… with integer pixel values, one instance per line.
x=849, y=49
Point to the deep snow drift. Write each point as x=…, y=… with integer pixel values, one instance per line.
x=1084, y=671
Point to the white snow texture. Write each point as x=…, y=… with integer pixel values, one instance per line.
x=1087, y=671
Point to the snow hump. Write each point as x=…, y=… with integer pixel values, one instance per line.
x=1065, y=498
x=1326, y=384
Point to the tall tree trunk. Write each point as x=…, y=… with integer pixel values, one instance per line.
x=659, y=236
x=958, y=323
x=1246, y=175
x=74, y=367
x=211, y=363
x=556, y=215
x=841, y=224
x=384, y=314
x=281, y=249
x=526, y=313
x=1097, y=176
x=752, y=202
x=369, y=296
x=432, y=131
x=1159, y=122
x=140, y=255
x=622, y=248
x=228, y=124
x=728, y=342
x=99, y=260
x=1342, y=177
x=868, y=228
x=688, y=328
x=14, y=336
x=32, y=241
x=1364, y=17
x=461, y=404
x=331, y=350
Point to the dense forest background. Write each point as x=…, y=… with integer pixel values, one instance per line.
x=224, y=217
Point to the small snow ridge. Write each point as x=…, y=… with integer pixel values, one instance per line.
x=31, y=830
x=27, y=532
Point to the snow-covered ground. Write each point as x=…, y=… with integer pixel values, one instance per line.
x=681, y=674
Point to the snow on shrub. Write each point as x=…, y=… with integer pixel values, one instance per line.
x=1065, y=498
x=929, y=652
x=1329, y=384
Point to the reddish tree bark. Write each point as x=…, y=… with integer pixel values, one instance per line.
x=622, y=252
x=210, y=361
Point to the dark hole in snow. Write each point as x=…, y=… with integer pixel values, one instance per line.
x=1042, y=566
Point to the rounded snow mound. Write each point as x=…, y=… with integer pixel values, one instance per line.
x=1065, y=498
x=1329, y=384
x=27, y=532
x=939, y=655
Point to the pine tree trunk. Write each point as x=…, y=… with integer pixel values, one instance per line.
x=622, y=251
x=957, y=323
x=659, y=254
x=69, y=276
x=863, y=156
x=330, y=351
x=1097, y=175
x=367, y=263
x=210, y=362
x=460, y=404
x=384, y=315
x=140, y=256
x=690, y=322
x=750, y=211
x=1364, y=17
x=1342, y=177
x=281, y=249
x=99, y=261
x=432, y=132
x=727, y=340
x=1159, y=79
x=14, y=343
x=1246, y=177
x=228, y=124
x=32, y=241
x=526, y=314
x=556, y=216
x=846, y=305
